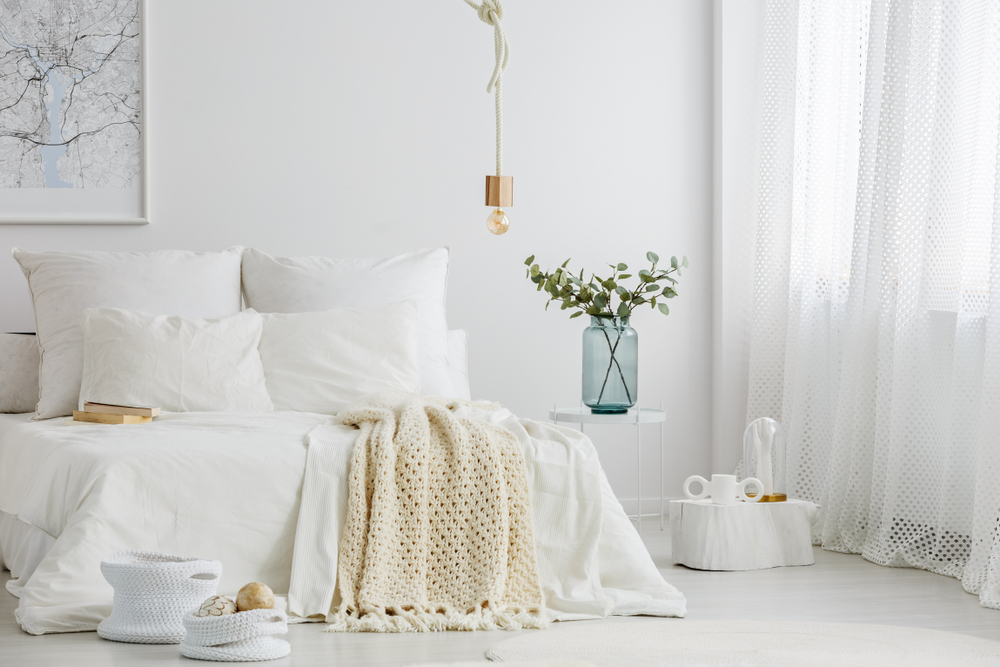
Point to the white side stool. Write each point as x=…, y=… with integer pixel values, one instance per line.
x=742, y=536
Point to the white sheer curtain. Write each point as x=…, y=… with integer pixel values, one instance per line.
x=876, y=327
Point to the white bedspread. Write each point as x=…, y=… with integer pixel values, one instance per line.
x=591, y=560
x=214, y=485
x=228, y=487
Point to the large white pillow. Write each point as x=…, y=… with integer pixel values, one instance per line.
x=309, y=284
x=166, y=282
x=18, y=373
x=174, y=363
x=322, y=362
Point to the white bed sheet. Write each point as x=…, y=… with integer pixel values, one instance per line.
x=591, y=560
x=227, y=486
x=215, y=485
x=22, y=548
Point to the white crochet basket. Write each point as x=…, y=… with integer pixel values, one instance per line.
x=241, y=637
x=152, y=593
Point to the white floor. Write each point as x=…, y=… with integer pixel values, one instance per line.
x=838, y=588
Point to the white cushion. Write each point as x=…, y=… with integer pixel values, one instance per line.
x=310, y=284
x=322, y=362
x=174, y=363
x=18, y=372
x=166, y=282
x=458, y=362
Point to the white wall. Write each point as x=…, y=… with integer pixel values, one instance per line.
x=361, y=128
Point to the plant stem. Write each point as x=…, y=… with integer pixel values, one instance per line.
x=613, y=362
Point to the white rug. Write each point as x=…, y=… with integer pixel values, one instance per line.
x=683, y=643
x=532, y=663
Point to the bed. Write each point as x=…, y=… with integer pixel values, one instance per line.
x=262, y=491
x=228, y=486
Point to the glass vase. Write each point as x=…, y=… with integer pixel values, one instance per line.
x=610, y=365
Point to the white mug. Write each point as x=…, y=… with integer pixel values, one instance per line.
x=722, y=488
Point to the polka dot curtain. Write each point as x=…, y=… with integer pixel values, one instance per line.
x=876, y=332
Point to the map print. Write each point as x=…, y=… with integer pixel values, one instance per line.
x=70, y=94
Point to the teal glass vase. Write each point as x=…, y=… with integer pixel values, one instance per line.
x=610, y=365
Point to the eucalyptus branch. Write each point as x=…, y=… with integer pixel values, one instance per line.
x=596, y=297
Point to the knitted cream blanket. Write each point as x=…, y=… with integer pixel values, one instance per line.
x=438, y=534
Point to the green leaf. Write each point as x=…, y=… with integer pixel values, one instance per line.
x=671, y=279
x=622, y=266
x=547, y=305
x=534, y=270
x=576, y=314
x=600, y=300
x=673, y=262
x=684, y=262
x=653, y=302
x=639, y=300
x=652, y=288
x=623, y=309
x=624, y=276
x=626, y=295
x=593, y=310
x=575, y=281
x=565, y=263
x=621, y=290
x=643, y=273
x=528, y=261
x=663, y=309
x=536, y=279
x=652, y=257
x=609, y=285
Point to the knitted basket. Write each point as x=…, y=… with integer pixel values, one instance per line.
x=241, y=637
x=152, y=593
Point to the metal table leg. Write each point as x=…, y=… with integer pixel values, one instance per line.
x=661, y=470
x=638, y=458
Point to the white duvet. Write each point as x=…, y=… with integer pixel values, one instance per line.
x=229, y=486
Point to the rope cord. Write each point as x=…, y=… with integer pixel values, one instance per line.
x=491, y=13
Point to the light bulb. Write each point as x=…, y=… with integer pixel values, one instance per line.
x=497, y=222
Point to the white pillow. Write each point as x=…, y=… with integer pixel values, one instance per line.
x=166, y=282
x=322, y=362
x=172, y=362
x=18, y=372
x=309, y=284
x=458, y=362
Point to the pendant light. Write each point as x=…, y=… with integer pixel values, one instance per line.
x=499, y=188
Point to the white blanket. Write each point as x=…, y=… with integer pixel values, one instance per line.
x=591, y=560
x=227, y=487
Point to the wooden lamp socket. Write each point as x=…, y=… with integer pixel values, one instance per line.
x=499, y=191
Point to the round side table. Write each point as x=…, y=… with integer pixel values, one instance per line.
x=634, y=417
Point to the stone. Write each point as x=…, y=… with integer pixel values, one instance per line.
x=255, y=595
x=217, y=605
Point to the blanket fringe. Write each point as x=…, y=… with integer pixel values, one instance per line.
x=418, y=620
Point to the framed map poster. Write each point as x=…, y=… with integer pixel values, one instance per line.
x=72, y=117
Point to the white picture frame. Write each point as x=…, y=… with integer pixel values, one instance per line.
x=89, y=217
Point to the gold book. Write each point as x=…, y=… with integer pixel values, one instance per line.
x=108, y=409
x=104, y=418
